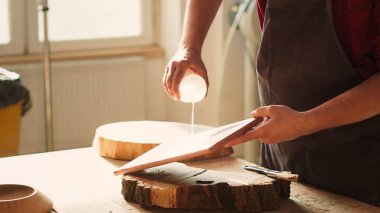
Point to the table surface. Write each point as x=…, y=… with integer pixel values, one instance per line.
x=80, y=181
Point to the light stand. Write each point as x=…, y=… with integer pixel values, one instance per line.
x=47, y=80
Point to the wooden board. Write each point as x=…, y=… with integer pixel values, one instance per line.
x=176, y=185
x=196, y=145
x=128, y=140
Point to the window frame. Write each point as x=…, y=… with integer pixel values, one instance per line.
x=24, y=32
x=16, y=44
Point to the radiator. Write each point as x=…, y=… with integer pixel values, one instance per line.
x=85, y=95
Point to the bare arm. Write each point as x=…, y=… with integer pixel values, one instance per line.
x=198, y=18
x=357, y=104
x=284, y=124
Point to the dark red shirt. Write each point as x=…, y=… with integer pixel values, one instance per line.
x=357, y=25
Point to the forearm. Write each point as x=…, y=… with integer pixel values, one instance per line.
x=356, y=104
x=198, y=18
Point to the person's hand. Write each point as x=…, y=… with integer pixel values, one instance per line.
x=182, y=62
x=281, y=124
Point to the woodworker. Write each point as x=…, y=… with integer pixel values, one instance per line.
x=319, y=83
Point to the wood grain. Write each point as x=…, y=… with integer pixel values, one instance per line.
x=176, y=185
x=196, y=145
x=79, y=181
x=16, y=198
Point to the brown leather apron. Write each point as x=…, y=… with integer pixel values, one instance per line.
x=302, y=65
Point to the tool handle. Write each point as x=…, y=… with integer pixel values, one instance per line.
x=282, y=175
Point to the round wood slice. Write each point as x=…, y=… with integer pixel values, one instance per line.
x=176, y=185
x=128, y=140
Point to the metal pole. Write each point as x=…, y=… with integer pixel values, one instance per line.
x=47, y=80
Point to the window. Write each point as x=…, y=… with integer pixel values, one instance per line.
x=4, y=22
x=73, y=20
x=74, y=25
x=11, y=27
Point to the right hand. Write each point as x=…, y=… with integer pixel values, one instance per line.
x=183, y=61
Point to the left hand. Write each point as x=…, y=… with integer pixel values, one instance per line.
x=281, y=124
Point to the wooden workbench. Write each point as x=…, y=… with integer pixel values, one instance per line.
x=81, y=181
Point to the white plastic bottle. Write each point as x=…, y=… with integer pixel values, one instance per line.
x=192, y=88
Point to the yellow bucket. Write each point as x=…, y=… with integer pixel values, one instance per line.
x=10, y=119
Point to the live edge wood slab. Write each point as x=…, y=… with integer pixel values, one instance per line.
x=176, y=185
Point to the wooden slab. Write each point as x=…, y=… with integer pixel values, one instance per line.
x=176, y=185
x=199, y=144
x=128, y=140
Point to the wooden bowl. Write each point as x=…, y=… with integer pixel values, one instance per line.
x=20, y=198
